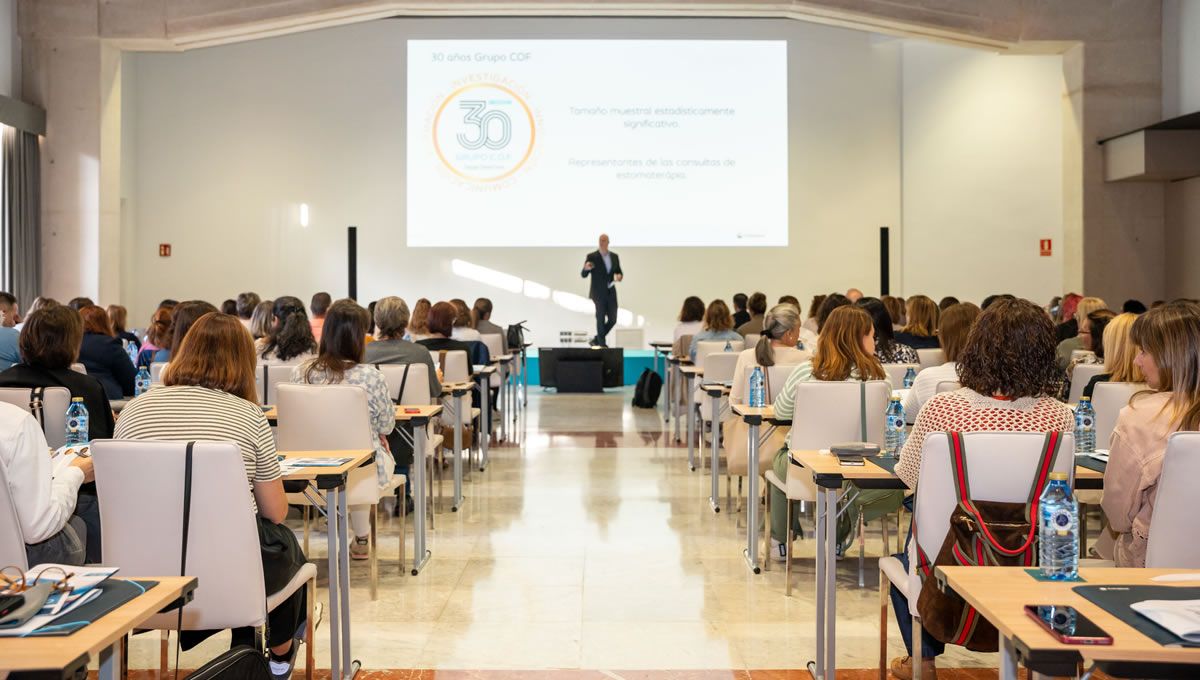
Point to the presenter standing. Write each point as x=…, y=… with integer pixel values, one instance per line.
x=605, y=269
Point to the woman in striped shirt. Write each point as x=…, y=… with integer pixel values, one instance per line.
x=208, y=394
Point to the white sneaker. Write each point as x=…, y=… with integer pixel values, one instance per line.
x=778, y=551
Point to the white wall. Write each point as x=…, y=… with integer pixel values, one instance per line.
x=229, y=141
x=10, y=50
x=982, y=172
x=1181, y=57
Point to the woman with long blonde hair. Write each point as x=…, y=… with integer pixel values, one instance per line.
x=1168, y=355
x=1119, y=354
x=920, y=331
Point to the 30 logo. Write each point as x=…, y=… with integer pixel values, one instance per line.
x=484, y=132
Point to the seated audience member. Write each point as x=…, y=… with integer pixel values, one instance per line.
x=481, y=312
x=1008, y=375
x=830, y=303
x=440, y=324
x=1084, y=307
x=229, y=307
x=895, y=309
x=810, y=324
x=9, y=336
x=1133, y=307
x=993, y=299
x=947, y=302
x=845, y=351
x=718, y=325
x=1067, y=325
x=1119, y=355
x=776, y=347
x=208, y=394
x=789, y=300
x=740, y=315
x=463, y=329
x=390, y=347
x=887, y=350
x=79, y=303
x=185, y=315
x=757, y=306
x=157, y=346
x=921, y=330
x=1091, y=338
x=47, y=502
x=318, y=306
x=854, y=295
x=118, y=317
x=103, y=355
x=244, y=308
x=1168, y=343
x=418, y=325
x=691, y=318
x=263, y=319
x=371, y=322
x=1054, y=309
x=954, y=327
x=340, y=361
x=290, y=339
x=38, y=303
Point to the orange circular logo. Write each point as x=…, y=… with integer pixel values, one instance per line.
x=484, y=132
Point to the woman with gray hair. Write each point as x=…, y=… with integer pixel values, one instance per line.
x=390, y=347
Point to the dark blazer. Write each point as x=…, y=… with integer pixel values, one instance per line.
x=601, y=277
x=106, y=361
x=918, y=341
x=100, y=415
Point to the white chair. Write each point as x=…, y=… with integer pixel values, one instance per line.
x=495, y=346
x=12, y=540
x=930, y=357
x=718, y=368
x=53, y=419
x=752, y=339
x=947, y=386
x=1107, y=400
x=156, y=370
x=1080, y=377
x=1001, y=467
x=1172, y=541
x=415, y=391
x=826, y=413
x=223, y=553
x=896, y=373
x=330, y=418
x=707, y=347
x=776, y=379
x=79, y=368
x=267, y=378
x=456, y=368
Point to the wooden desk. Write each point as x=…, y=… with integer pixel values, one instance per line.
x=1001, y=593
x=70, y=653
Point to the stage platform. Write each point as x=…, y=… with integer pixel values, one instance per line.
x=636, y=361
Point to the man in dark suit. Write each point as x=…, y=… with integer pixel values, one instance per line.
x=605, y=269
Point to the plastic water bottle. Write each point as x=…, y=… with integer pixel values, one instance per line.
x=132, y=351
x=1058, y=530
x=895, y=428
x=142, y=382
x=1085, y=426
x=77, y=422
x=909, y=377
x=758, y=394
x=728, y=346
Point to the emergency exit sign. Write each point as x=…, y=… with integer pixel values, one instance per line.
x=1045, y=247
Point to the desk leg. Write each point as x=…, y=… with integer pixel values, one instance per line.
x=458, y=443
x=715, y=499
x=351, y=666
x=335, y=609
x=822, y=547
x=676, y=376
x=830, y=581
x=485, y=420
x=1008, y=659
x=420, y=443
x=667, y=383
x=751, y=552
x=110, y=661
x=691, y=423
x=502, y=396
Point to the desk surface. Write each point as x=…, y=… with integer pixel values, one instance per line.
x=1001, y=593
x=766, y=412
x=357, y=457
x=402, y=412
x=692, y=370
x=56, y=653
x=824, y=464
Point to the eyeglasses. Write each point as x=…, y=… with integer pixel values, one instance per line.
x=10, y=585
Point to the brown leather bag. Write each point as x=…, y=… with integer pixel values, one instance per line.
x=982, y=533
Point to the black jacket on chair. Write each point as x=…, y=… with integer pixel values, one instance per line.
x=601, y=277
x=105, y=360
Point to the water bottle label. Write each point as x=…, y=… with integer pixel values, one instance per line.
x=1061, y=521
x=1086, y=422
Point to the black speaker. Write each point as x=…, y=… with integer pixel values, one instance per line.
x=352, y=261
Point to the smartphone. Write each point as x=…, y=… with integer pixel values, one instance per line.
x=1067, y=625
x=10, y=603
x=412, y=410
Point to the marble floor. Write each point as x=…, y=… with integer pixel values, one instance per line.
x=590, y=546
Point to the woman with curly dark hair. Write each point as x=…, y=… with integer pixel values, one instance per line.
x=1007, y=372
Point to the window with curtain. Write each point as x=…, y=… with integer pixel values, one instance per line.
x=20, y=214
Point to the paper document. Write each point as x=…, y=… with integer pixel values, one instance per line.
x=1181, y=617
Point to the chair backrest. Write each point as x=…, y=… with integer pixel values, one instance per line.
x=896, y=373
x=1000, y=467
x=1080, y=377
x=267, y=378
x=1107, y=400
x=416, y=387
x=457, y=368
x=930, y=357
x=683, y=346
x=12, y=540
x=828, y=413
x=719, y=367
x=776, y=378
x=329, y=417
x=79, y=368
x=55, y=401
x=707, y=347
x=140, y=487
x=495, y=346
x=948, y=386
x=752, y=339
x=156, y=369
x=1172, y=542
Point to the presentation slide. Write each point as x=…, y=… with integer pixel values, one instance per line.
x=551, y=142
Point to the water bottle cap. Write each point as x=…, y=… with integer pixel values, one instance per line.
x=1058, y=476
x=1083, y=399
x=78, y=399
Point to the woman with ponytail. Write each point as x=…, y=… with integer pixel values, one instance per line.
x=291, y=339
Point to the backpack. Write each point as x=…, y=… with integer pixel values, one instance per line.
x=649, y=386
x=515, y=336
x=240, y=663
x=982, y=533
